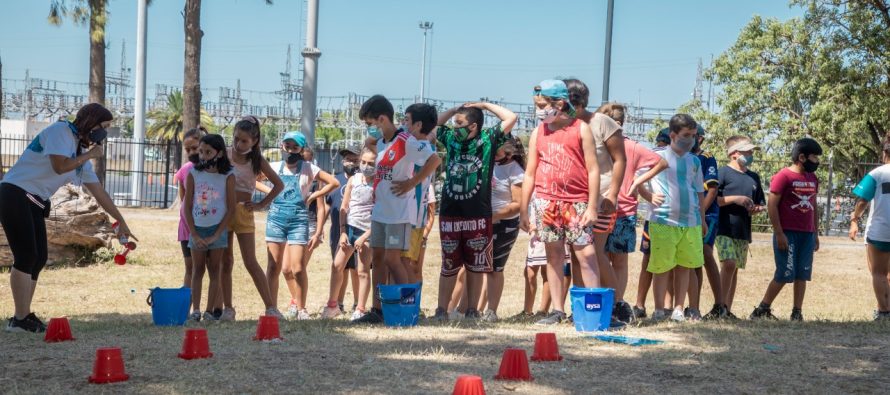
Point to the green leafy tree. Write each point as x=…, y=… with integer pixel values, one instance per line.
x=166, y=122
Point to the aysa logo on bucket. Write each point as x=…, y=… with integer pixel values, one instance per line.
x=593, y=302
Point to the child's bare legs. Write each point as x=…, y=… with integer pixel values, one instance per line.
x=291, y=264
x=589, y=272
x=644, y=282
x=492, y=291
x=670, y=293
x=353, y=281
x=660, y=286
x=418, y=266
x=392, y=258
x=198, y=267
x=187, y=278
x=606, y=276
x=545, y=292
x=302, y=276
x=800, y=289
x=363, y=263
x=695, y=283
x=555, y=261
x=575, y=278
x=213, y=273
x=713, y=272
x=530, y=274
x=619, y=266
x=878, y=264
x=727, y=279
x=681, y=282
x=337, y=268
x=772, y=291
x=458, y=299
x=228, y=264
x=274, y=263
x=247, y=243
x=380, y=275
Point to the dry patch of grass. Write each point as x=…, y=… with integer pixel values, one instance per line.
x=837, y=350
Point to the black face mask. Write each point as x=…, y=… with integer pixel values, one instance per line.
x=809, y=166
x=98, y=135
x=194, y=158
x=206, y=164
x=293, y=158
x=350, y=169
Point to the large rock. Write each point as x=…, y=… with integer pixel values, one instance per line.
x=76, y=228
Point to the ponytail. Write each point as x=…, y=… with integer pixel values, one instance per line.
x=251, y=125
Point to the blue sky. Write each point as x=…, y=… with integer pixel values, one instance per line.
x=496, y=49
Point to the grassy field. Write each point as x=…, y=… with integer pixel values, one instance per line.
x=838, y=349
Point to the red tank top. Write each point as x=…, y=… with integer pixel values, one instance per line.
x=562, y=173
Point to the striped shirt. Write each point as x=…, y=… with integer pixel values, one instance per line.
x=680, y=183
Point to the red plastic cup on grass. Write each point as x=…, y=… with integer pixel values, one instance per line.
x=468, y=385
x=58, y=330
x=195, y=345
x=121, y=259
x=514, y=366
x=109, y=366
x=546, y=348
x=267, y=329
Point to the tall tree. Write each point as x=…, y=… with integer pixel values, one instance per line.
x=191, y=87
x=94, y=14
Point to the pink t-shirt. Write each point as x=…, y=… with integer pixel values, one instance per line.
x=798, y=192
x=179, y=178
x=562, y=172
x=638, y=158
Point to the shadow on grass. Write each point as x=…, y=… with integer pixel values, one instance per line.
x=336, y=357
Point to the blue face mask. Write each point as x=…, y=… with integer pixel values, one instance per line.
x=374, y=132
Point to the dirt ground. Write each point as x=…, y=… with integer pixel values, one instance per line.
x=837, y=350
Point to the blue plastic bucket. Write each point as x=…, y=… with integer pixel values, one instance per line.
x=169, y=306
x=592, y=308
x=401, y=304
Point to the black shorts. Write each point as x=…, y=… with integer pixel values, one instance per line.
x=186, y=251
x=505, y=233
x=23, y=217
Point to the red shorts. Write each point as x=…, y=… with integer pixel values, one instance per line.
x=466, y=242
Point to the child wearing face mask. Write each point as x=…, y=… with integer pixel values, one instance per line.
x=355, y=229
x=676, y=225
x=349, y=159
x=792, y=212
x=190, y=141
x=740, y=195
x=209, y=204
x=287, y=225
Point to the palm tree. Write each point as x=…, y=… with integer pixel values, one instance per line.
x=167, y=122
x=82, y=12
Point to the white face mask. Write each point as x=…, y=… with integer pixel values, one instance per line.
x=367, y=170
x=546, y=115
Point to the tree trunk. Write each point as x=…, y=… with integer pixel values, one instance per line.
x=191, y=89
x=97, y=66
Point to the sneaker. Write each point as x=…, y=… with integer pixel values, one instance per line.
x=554, y=318
x=374, y=316
x=456, y=315
x=303, y=315
x=217, y=313
x=796, y=315
x=615, y=325
x=716, y=312
x=762, y=312
x=659, y=315
x=440, y=315
x=28, y=324
x=490, y=316
x=623, y=312
x=271, y=311
x=208, y=316
x=330, y=313
x=692, y=314
x=228, y=315
x=882, y=316
x=678, y=316
x=730, y=316
x=639, y=312
x=343, y=311
x=357, y=314
x=472, y=314
x=195, y=316
x=292, y=311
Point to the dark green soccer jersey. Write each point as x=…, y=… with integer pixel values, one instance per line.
x=468, y=171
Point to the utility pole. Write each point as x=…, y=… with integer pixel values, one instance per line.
x=426, y=27
x=310, y=74
x=607, y=61
x=139, y=111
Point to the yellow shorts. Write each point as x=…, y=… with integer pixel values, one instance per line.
x=415, y=245
x=242, y=220
x=673, y=246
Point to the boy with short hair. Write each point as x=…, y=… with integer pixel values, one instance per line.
x=740, y=195
x=465, y=205
x=792, y=212
x=395, y=210
x=675, y=226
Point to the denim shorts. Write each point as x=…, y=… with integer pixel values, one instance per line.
x=293, y=228
x=795, y=264
x=205, y=232
x=623, y=238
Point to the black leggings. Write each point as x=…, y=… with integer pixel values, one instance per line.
x=25, y=228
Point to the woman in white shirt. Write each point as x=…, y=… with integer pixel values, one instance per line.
x=55, y=157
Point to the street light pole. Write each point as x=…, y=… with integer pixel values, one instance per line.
x=139, y=111
x=310, y=53
x=607, y=59
x=426, y=27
